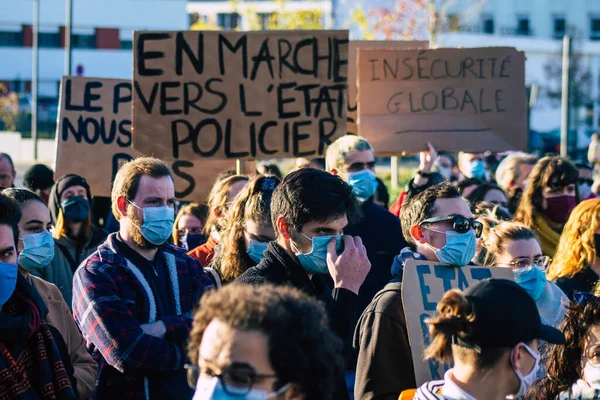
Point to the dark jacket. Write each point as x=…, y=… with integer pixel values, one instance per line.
x=385, y=366
x=279, y=268
x=583, y=281
x=381, y=234
x=113, y=297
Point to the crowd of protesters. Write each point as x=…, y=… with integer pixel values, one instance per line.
x=290, y=286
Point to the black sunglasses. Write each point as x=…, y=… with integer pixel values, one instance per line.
x=582, y=181
x=460, y=224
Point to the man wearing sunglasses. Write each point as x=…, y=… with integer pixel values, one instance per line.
x=439, y=226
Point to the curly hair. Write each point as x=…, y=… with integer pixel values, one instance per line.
x=302, y=348
x=563, y=362
x=252, y=203
x=549, y=172
x=576, y=248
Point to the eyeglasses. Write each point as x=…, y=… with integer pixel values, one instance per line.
x=237, y=380
x=582, y=181
x=460, y=224
x=524, y=264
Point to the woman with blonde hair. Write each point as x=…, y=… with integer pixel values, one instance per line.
x=576, y=267
x=548, y=200
x=221, y=197
x=249, y=229
x=513, y=245
x=189, y=225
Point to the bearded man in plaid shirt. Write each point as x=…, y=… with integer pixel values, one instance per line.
x=133, y=297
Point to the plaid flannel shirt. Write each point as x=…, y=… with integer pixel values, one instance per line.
x=111, y=299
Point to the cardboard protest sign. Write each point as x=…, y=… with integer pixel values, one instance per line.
x=351, y=126
x=93, y=139
x=423, y=286
x=470, y=100
x=239, y=95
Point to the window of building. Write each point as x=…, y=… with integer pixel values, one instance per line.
x=49, y=40
x=560, y=27
x=595, y=28
x=488, y=25
x=11, y=39
x=228, y=20
x=83, y=41
x=523, y=26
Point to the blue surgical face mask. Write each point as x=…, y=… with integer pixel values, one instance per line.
x=76, y=209
x=315, y=261
x=212, y=389
x=363, y=184
x=459, y=249
x=256, y=250
x=533, y=280
x=158, y=223
x=8, y=281
x=190, y=241
x=476, y=169
x=38, y=251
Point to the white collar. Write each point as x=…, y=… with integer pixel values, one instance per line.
x=452, y=391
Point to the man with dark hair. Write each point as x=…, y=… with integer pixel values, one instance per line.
x=7, y=171
x=133, y=297
x=439, y=226
x=585, y=181
x=39, y=179
x=310, y=210
x=279, y=332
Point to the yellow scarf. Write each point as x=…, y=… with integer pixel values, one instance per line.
x=548, y=237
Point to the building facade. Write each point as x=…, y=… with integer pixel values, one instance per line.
x=102, y=34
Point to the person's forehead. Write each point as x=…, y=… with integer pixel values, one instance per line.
x=35, y=210
x=359, y=156
x=74, y=189
x=523, y=248
x=7, y=238
x=224, y=345
x=334, y=224
x=155, y=187
x=257, y=226
x=454, y=206
x=5, y=165
x=189, y=221
x=235, y=189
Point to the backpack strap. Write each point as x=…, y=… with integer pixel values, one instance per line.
x=214, y=276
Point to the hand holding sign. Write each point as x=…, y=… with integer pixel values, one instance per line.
x=350, y=268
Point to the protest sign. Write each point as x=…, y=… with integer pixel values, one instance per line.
x=351, y=127
x=423, y=286
x=93, y=139
x=470, y=100
x=239, y=95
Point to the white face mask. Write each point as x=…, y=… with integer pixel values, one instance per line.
x=591, y=374
x=527, y=380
